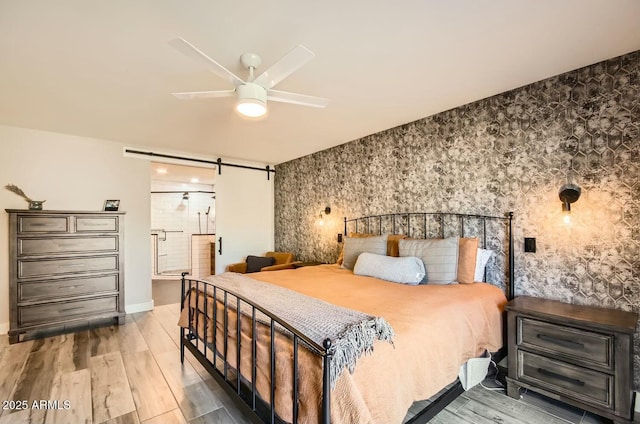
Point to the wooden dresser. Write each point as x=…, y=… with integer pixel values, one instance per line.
x=580, y=355
x=66, y=268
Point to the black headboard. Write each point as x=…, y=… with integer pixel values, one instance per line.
x=493, y=232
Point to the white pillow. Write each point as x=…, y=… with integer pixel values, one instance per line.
x=440, y=257
x=354, y=246
x=407, y=270
x=482, y=258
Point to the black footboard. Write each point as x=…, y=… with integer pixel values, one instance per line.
x=234, y=379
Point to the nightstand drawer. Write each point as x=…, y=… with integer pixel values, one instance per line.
x=579, y=383
x=580, y=345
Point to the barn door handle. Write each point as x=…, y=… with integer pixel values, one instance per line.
x=220, y=246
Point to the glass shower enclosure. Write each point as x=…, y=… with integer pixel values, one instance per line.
x=179, y=212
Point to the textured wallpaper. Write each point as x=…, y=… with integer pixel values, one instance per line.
x=510, y=152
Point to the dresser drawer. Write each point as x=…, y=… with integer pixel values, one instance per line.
x=58, y=289
x=28, y=268
x=43, y=224
x=61, y=311
x=87, y=224
x=569, y=380
x=58, y=245
x=580, y=345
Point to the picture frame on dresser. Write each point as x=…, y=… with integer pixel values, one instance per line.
x=111, y=205
x=66, y=270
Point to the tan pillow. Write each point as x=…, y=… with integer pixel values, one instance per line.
x=467, y=260
x=392, y=244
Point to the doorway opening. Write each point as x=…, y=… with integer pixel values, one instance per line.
x=182, y=220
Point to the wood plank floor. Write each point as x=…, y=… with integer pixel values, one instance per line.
x=132, y=374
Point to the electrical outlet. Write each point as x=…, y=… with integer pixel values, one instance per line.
x=339, y=237
x=530, y=244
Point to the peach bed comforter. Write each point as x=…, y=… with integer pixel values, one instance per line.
x=438, y=328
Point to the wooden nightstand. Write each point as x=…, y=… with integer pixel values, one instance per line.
x=580, y=355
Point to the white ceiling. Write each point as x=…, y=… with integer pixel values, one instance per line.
x=104, y=69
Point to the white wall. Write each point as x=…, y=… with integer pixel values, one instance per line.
x=77, y=173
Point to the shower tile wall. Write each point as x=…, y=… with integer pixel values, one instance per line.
x=510, y=152
x=180, y=218
x=202, y=259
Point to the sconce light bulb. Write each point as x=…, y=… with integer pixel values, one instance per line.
x=324, y=212
x=568, y=194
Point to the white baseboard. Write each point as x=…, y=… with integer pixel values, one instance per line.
x=139, y=307
x=4, y=327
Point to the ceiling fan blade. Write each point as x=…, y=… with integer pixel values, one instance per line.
x=297, y=99
x=193, y=52
x=290, y=63
x=204, y=94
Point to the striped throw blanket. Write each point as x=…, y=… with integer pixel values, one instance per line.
x=352, y=333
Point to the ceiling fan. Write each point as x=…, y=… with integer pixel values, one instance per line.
x=253, y=94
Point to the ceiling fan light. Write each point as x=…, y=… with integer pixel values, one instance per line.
x=252, y=100
x=251, y=108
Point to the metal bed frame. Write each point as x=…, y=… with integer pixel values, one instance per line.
x=244, y=392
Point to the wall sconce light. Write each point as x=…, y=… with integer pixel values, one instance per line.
x=326, y=211
x=569, y=193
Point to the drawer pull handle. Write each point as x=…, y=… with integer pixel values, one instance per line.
x=561, y=377
x=562, y=342
x=70, y=287
x=63, y=266
x=71, y=309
